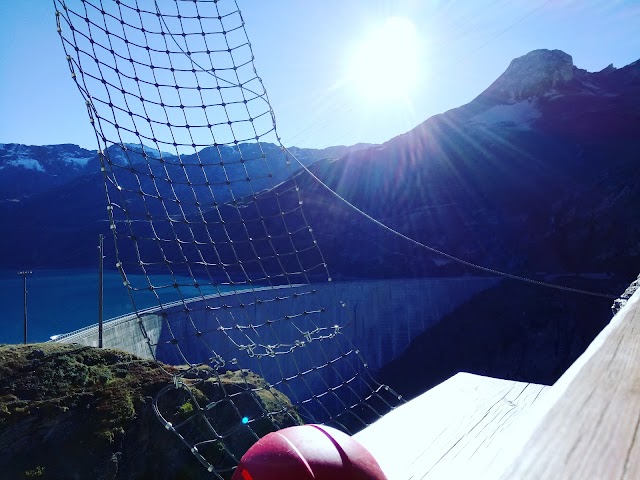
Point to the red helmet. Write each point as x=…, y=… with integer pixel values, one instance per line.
x=313, y=452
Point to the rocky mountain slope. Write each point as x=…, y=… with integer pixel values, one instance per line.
x=538, y=174
x=53, y=196
x=29, y=170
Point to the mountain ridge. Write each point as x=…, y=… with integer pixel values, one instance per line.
x=514, y=191
x=54, y=165
x=512, y=184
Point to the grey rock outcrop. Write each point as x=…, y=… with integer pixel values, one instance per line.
x=624, y=298
x=532, y=75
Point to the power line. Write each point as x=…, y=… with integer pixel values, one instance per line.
x=24, y=274
x=444, y=254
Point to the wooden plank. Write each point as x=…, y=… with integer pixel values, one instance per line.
x=451, y=431
x=591, y=428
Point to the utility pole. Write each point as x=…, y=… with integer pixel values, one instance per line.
x=100, y=287
x=24, y=274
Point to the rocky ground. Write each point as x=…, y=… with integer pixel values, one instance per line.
x=626, y=295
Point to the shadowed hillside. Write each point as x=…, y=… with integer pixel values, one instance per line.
x=510, y=331
x=538, y=174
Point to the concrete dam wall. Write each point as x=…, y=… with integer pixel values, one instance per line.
x=380, y=318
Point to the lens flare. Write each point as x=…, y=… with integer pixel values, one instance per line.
x=385, y=64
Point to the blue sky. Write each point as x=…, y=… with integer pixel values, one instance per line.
x=304, y=54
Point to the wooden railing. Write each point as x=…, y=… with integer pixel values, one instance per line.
x=585, y=426
x=590, y=429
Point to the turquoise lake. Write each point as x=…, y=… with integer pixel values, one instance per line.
x=60, y=301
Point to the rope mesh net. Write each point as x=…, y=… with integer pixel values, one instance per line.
x=204, y=210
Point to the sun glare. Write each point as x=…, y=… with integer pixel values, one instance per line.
x=385, y=64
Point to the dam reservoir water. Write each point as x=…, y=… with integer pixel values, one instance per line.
x=64, y=300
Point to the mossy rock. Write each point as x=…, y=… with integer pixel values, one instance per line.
x=73, y=412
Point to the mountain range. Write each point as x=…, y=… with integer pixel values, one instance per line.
x=53, y=196
x=537, y=174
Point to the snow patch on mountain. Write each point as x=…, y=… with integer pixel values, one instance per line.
x=26, y=162
x=142, y=149
x=517, y=115
x=73, y=158
x=51, y=159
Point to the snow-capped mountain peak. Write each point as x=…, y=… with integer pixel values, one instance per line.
x=29, y=169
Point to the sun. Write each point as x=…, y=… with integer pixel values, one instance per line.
x=385, y=64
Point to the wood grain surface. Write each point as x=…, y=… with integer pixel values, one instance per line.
x=452, y=431
x=586, y=426
x=591, y=429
